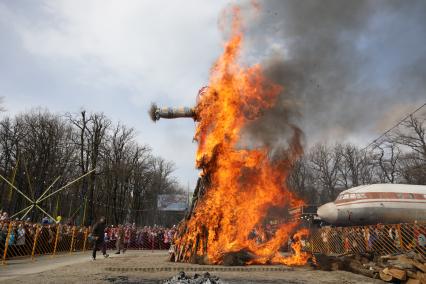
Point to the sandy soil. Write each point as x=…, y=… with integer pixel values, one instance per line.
x=153, y=267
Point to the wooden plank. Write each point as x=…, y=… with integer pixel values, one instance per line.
x=384, y=276
x=402, y=262
x=422, y=277
x=411, y=274
x=419, y=265
x=398, y=273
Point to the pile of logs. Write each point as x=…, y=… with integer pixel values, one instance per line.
x=186, y=250
x=403, y=268
x=409, y=267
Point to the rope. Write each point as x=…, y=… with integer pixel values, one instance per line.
x=393, y=127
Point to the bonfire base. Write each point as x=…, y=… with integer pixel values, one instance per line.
x=200, y=259
x=238, y=258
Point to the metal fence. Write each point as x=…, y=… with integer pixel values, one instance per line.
x=23, y=239
x=379, y=239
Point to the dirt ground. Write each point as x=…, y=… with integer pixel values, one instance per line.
x=153, y=267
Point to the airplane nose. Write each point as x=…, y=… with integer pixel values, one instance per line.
x=328, y=212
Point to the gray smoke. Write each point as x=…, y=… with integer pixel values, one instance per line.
x=345, y=66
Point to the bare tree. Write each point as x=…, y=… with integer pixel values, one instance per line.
x=301, y=181
x=413, y=135
x=325, y=162
x=356, y=166
x=387, y=156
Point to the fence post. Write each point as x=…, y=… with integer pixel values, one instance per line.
x=366, y=237
x=152, y=243
x=401, y=241
x=58, y=227
x=37, y=232
x=72, y=239
x=6, y=245
x=86, y=233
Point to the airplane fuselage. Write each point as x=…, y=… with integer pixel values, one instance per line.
x=376, y=203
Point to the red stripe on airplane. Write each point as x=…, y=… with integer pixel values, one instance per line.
x=379, y=201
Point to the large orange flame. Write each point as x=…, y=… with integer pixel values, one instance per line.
x=243, y=183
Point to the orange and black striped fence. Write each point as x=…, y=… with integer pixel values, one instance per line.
x=24, y=239
x=379, y=239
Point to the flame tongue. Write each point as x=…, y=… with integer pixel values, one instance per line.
x=243, y=183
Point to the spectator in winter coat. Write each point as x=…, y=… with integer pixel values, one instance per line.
x=120, y=239
x=98, y=238
x=4, y=216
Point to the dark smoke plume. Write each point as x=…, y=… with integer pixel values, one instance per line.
x=345, y=66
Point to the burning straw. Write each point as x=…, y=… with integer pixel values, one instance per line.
x=238, y=186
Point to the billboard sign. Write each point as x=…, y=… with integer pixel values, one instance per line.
x=172, y=202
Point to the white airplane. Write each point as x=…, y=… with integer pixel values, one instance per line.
x=376, y=203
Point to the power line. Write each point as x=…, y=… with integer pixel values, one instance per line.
x=393, y=127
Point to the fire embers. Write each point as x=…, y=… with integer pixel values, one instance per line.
x=240, y=184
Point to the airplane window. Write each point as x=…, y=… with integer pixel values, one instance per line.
x=361, y=195
x=410, y=196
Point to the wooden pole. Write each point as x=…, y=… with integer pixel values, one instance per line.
x=15, y=188
x=72, y=239
x=13, y=181
x=58, y=228
x=6, y=245
x=84, y=212
x=38, y=229
x=47, y=190
x=17, y=213
x=401, y=242
x=366, y=237
x=65, y=186
x=28, y=178
x=86, y=233
x=47, y=214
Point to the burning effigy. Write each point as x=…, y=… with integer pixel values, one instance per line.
x=238, y=185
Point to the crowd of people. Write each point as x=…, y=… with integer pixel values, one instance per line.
x=4, y=216
x=382, y=239
x=23, y=238
x=53, y=236
x=147, y=237
x=19, y=238
x=123, y=237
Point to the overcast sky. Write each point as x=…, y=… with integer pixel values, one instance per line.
x=114, y=57
x=117, y=57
